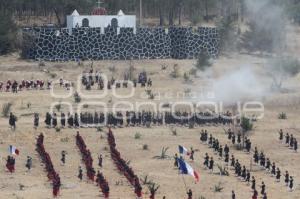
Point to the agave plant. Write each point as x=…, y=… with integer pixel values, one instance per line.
x=163, y=154
x=223, y=170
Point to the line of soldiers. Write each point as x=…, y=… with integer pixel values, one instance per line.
x=89, y=79
x=88, y=160
x=51, y=173
x=260, y=159
x=102, y=183
x=123, y=166
x=240, y=171
x=290, y=140
x=14, y=86
x=86, y=157
x=10, y=163
x=131, y=118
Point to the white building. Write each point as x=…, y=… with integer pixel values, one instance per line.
x=76, y=20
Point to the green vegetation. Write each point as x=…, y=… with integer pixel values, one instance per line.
x=8, y=34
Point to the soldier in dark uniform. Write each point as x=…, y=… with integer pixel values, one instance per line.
x=76, y=120
x=211, y=164
x=206, y=160
x=80, y=173
x=70, y=120
x=176, y=160
x=36, y=120
x=280, y=135
x=28, y=164
x=63, y=120
x=253, y=183
x=278, y=175
x=100, y=161
x=63, y=157
x=190, y=194
x=54, y=120
x=232, y=195
x=263, y=188
x=291, y=185
x=12, y=121
x=287, y=178
x=192, y=154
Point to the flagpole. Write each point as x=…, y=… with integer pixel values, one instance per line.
x=184, y=183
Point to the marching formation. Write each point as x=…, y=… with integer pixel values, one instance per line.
x=290, y=141
x=14, y=86
x=122, y=165
x=51, y=173
x=89, y=80
x=132, y=119
x=88, y=161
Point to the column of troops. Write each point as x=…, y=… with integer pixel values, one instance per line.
x=240, y=171
x=51, y=173
x=15, y=86
x=259, y=159
x=89, y=80
x=290, y=141
x=131, y=118
x=88, y=161
x=123, y=166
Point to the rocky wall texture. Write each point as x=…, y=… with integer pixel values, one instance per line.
x=90, y=43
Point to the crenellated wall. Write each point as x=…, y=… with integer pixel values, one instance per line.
x=119, y=44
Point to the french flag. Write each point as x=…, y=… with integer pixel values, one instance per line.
x=186, y=169
x=183, y=150
x=13, y=150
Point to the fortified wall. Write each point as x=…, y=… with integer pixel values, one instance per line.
x=52, y=44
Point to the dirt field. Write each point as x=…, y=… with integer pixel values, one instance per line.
x=172, y=185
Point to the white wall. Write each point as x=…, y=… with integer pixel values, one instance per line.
x=102, y=21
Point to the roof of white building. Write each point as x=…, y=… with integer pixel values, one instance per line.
x=75, y=13
x=121, y=13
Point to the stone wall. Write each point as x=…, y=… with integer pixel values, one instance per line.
x=89, y=43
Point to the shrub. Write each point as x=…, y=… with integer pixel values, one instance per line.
x=145, y=147
x=112, y=69
x=203, y=61
x=6, y=108
x=137, y=136
x=282, y=116
x=174, y=132
x=85, y=106
x=223, y=171
x=42, y=64
x=175, y=72
x=8, y=33
x=58, y=107
x=195, y=19
x=53, y=75
x=193, y=72
x=218, y=187
x=66, y=139
x=246, y=124
x=186, y=77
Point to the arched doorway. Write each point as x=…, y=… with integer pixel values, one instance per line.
x=85, y=22
x=114, y=23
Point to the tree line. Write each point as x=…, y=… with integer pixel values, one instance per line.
x=264, y=19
